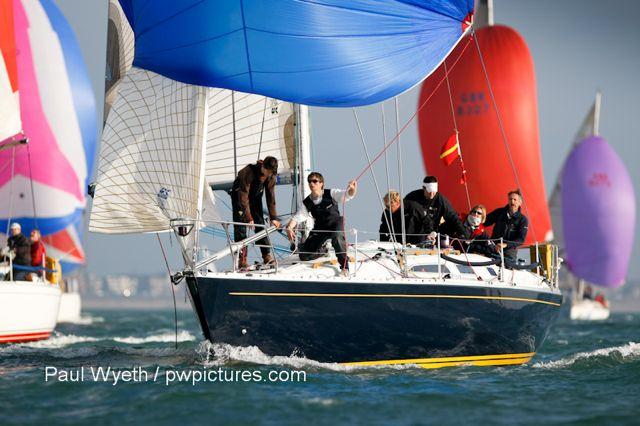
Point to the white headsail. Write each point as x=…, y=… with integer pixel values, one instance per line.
x=150, y=167
x=120, y=51
x=153, y=164
x=244, y=128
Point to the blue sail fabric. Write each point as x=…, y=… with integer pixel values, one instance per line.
x=315, y=52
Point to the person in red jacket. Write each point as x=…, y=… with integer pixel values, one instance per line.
x=476, y=239
x=38, y=252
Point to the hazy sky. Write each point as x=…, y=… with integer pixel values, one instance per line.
x=578, y=46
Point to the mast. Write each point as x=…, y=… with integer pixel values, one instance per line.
x=203, y=121
x=483, y=15
x=304, y=153
x=590, y=126
x=596, y=114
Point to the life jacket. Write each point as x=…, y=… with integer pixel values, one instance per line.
x=326, y=213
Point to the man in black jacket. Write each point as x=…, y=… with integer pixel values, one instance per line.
x=322, y=205
x=21, y=247
x=251, y=183
x=510, y=225
x=438, y=209
x=415, y=219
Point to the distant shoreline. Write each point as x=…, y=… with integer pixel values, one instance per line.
x=133, y=304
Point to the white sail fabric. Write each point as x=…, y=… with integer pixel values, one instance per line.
x=120, y=52
x=588, y=128
x=150, y=166
x=10, y=124
x=243, y=128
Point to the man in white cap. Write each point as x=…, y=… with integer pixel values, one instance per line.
x=437, y=207
x=20, y=246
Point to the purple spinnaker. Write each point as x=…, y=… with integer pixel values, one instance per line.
x=598, y=213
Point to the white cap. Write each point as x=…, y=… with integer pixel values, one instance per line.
x=15, y=225
x=431, y=186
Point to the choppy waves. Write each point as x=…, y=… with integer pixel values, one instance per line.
x=183, y=336
x=214, y=354
x=68, y=346
x=623, y=353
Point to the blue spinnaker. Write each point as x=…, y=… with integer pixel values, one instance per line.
x=315, y=52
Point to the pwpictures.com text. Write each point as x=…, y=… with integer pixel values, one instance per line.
x=170, y=376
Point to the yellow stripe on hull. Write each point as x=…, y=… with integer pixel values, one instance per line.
x=403, y=296
x=454, y=361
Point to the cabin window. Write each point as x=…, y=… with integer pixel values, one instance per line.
x=465, y=269
x=492, y=272
x=430, y=268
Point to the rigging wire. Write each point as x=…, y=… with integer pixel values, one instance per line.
x=173, y=291
x=13, y=172
x=373, y=175
x=264, y=112
x=386, y=168
x=399, y=148
x=410, y=120
x=503, y=132
x=455, y=128
x=33, y=196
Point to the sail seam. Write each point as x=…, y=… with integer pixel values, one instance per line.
x=246, y=44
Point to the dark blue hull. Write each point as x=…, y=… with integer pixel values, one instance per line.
x=429, y=324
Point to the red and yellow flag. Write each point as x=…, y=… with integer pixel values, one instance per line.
x=450, y=150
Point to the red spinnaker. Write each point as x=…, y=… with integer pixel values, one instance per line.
x=489, y=173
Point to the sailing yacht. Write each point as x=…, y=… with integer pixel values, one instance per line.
x=47, y=132
x=170, y=140
x=594, y=214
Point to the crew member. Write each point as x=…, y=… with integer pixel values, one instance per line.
x=510, y=225
x=414, y=219
x=441, y=213
x=476, y=239
x=19, y=245
x=246, y=201
x=322, y=205
x=38, y=252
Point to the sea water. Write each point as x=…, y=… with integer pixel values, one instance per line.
x=122, y=367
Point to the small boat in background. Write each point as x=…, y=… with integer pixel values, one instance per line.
x=47, y=140
x=594, y=215
x=66, y=245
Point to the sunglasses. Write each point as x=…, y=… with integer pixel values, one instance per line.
x=478, y=212
x=313, y=181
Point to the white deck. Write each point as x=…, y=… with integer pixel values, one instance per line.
x=375, y=262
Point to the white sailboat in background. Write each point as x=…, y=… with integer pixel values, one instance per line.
x=593, y=211
x=47, y=100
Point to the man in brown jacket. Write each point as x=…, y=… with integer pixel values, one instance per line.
x=246, y=201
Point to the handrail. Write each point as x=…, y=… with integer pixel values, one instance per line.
x=234, y=247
